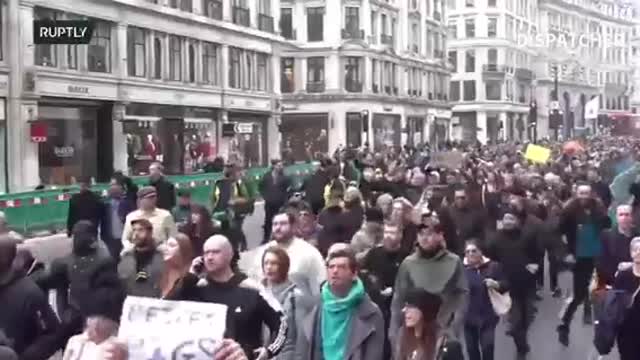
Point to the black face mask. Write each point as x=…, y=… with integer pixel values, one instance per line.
x=84, y=244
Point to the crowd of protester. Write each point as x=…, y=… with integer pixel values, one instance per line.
x=376, y=256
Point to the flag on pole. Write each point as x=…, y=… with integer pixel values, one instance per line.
x=591, y=108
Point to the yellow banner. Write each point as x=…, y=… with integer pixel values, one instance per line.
x=537, y=153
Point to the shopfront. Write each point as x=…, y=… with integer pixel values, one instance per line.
x=387, y=130
x=248, y=147
x=182, y=138
x=304, y=136
x=415, y=126
x=439, y=121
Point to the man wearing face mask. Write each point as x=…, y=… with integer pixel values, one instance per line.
x=518, y=253
x=27, y=323
x=438, y=271
x=582, y=221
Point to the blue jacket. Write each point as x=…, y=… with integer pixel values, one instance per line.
x=480, y=311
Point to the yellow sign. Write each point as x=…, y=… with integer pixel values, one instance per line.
x=537, y=153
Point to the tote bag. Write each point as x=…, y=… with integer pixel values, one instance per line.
x=501, y=302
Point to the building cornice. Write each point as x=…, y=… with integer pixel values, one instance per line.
x=564, y=6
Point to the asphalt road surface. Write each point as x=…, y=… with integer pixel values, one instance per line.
x=542, y=337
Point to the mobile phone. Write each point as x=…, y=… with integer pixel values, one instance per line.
x=199, y=267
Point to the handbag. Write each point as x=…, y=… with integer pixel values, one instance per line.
x=501, y=302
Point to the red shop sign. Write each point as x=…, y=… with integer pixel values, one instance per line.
x=39, y=132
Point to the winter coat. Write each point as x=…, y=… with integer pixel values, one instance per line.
x=128, y=273
x=480, y=311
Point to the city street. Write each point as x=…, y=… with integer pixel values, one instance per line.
x=543, y=338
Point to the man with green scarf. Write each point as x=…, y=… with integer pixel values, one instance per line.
x=345, y=324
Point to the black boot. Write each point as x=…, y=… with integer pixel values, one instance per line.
x=563, y=334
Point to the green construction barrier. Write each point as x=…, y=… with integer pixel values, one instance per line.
x=46, y=210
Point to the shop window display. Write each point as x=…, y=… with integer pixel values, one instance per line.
x=143, y=146
x=200, y=146
x=70, y=150
x=386, y=130
x=304, y=137
x=247, y=149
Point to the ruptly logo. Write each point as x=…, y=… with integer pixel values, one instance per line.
x=62, y=31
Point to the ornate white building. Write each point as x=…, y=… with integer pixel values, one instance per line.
x=157, y=82
x=370, y=71
x=491, y=86
x=601, y=67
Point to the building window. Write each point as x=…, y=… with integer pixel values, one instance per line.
x=287, y=80
x=212, y=9
x=315, y=23
x=72, y=56
x=470, y=28
x=470, y=61
x=192, y=63
x=247, y=77
x=99, y=51
x=315, y=74
x=452, y=30
x=136, y=51
x=469, y=90
x=491, y=3
x=210, y=63
x=453, y=60
x=353, y=80
x=173, y=4
x=175, y=58
x=263, y=74
x=468, y=3
x=186, y=5
x=286, y=23
x=352, y=20
x=493, y=90
x=157, y=58
x=264, y=7
x=45, y=54
x=454, y=91
x=492, y=27
x=375, y=83
x=492, y=57
x=234, y=68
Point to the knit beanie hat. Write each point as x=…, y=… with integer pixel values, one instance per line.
x=428, y=303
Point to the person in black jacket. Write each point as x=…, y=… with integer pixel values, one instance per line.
x=248, y=308
x=85, y=205
x=615, y=246
x=166, y=190
x=275, y=189
x=26, y=319
x=88, y=272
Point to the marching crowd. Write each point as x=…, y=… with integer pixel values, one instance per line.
x=376, y=256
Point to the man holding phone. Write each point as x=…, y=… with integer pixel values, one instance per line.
x=211, y=279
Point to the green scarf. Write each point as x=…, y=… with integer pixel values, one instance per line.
x=336, y=319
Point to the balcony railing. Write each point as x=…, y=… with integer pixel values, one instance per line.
x=315, y=87
x=494, y=68
x=524, y=74
x=386, y=39
x=265, y=23
x=353, y=86
x=352, y=34
x=241, y=16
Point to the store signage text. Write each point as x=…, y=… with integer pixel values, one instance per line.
x=74, y=89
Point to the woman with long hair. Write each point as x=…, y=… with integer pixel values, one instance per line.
x=275, y=269
x=420, y=337
x=199, y=228
x=178, y=255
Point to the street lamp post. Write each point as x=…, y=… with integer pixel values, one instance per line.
x=555, y=118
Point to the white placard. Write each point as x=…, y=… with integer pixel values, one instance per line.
x=164, y=330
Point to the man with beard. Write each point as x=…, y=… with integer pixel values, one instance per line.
x=518, y=252
x=142, y=266
x=582, y=221
x=438, y=271
x=381, y=265
x=88, y=272
x=615, y=246
x=27, y=322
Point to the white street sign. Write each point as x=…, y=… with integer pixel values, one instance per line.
x=554, y=105
x=244, y=128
